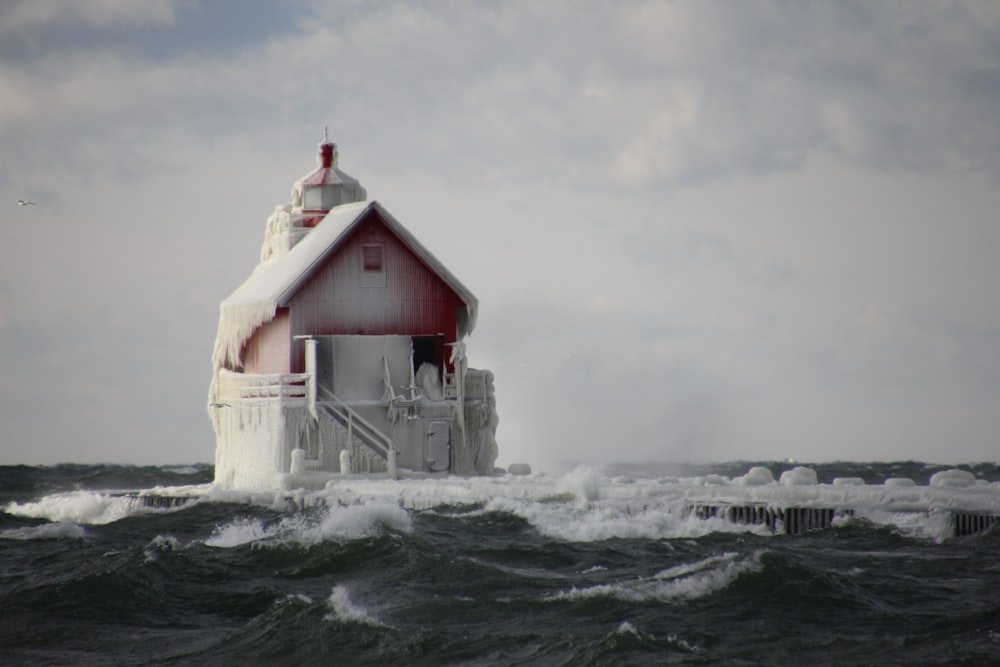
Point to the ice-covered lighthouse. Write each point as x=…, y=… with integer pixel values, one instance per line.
x=344, y=352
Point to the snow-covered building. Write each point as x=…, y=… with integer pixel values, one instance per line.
x=344, y=350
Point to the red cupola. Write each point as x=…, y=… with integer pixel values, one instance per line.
x=325, y=187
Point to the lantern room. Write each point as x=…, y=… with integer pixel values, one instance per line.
x=325, y=187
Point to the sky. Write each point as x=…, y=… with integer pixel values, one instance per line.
x=698, y=230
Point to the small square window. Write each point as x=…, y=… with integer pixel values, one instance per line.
x=372, y=258
x=373, y=265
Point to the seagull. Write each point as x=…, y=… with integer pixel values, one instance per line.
x=219, y=405
x=25, y=202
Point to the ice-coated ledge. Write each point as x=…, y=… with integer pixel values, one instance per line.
x=586, y=504
x=947, y=491
x=585, y=485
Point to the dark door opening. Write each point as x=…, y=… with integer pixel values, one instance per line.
x=428, y=350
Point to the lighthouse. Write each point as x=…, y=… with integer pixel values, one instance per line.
x=344, y=351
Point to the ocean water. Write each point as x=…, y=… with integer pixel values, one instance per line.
x=90, y=577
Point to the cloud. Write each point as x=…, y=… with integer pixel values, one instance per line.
x=687, y=91
x=724, y=229
x=18, y=104
x=20, y=15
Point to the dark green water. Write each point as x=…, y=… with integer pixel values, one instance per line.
x=221, y=583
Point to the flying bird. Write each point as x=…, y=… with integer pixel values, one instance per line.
x=25, y=202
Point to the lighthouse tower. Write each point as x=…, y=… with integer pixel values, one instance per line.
x=344, y=351
x=313, y=195
x=325, y=187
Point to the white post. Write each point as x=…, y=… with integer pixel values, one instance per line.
x=461, y=365
x=413, y=375
x=311, y=370
x=345, y=461
x=391, y=461
x=298, y=461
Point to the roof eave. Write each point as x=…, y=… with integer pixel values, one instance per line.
x=468, y=298
x=286, y=296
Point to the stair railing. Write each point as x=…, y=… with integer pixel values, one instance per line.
x=357, y=426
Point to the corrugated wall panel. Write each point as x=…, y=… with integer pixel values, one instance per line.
x=336, y=300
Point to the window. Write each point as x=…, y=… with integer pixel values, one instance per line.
x=373, y=265
x=372, y=258
x=313, y=198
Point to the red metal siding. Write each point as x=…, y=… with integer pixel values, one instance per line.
x=267, y=350
x=334, y=301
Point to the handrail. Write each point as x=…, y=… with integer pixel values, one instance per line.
x=347, y=417
x=372, y=442
x=290, y=385
x=389, y=394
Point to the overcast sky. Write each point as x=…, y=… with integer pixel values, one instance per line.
x=697, y=230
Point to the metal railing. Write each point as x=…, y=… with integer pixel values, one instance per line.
x=357, y=426
x=283, y=385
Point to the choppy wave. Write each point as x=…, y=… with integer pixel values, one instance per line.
x=596, y=520
x=331, y=523
x=682, y=582
x=91, y=507
x=46, y=531
x=342, y=608
x=598, y=567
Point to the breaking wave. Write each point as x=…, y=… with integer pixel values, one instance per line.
x=46, y=531
x=88, y=507
x=683, y=582
x=342, y=608
x=590, y=568
x=307, y=529
x=604, y=520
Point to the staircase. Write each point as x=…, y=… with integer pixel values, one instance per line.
x=358, y=428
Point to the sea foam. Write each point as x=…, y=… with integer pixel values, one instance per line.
x=614, y=518
x=683, y=582
x=47, y=531
x=89, y=507
x=333, y=523
x=342, y=608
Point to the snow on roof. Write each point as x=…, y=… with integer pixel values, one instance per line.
x=275, y=281
x=326, y=176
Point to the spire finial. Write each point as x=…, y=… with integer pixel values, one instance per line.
x=326, y=156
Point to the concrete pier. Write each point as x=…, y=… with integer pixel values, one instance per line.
x=790, y=520
x=785, y=520
x=968, y=523
x=799, y=520
x=159, y=502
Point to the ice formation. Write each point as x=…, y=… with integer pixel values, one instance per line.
x=958, y=479
x=583, y=505
x=798, y=476
x=344, y=348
